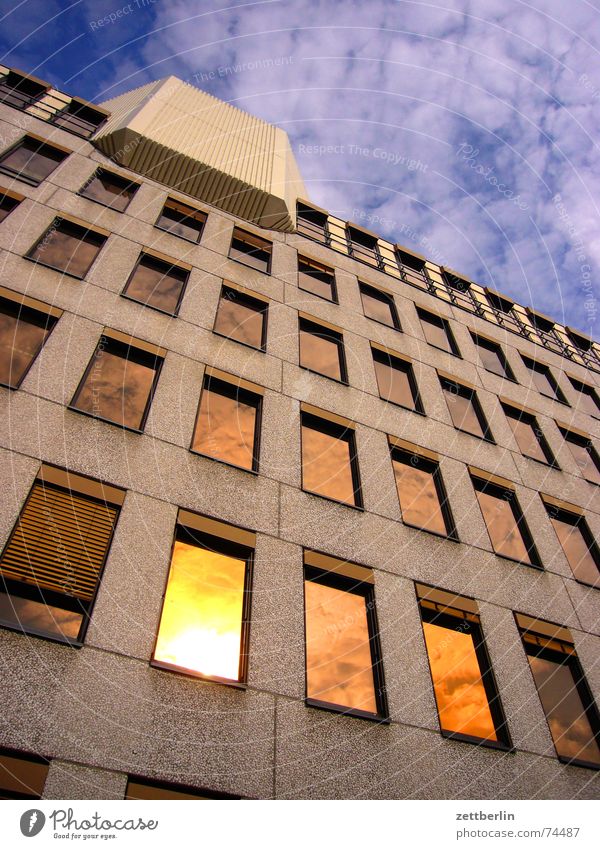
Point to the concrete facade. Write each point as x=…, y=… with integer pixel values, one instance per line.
x=101, y=712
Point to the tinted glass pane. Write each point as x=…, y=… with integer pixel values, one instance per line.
x=462, y=412
x=585, y=461
x=201, y=622
x=21, y=778
x=116, y=389
x=240, y=319
x=320, y=354
x=377, y=307
x=394, y=382
x=109, y=189
x=576, y=551
x=525, y=436
x=326, y=466
x=543, y=382
x=502, y=527
x=225, y=429
x=156, y=285
x=317, y=283
x=250, y=252
x=435, y=333
x=28, y=614
x=459, y=692
x=7, y=205
x=585, y=400
x=22, y=334
x=181, y=221
x=491, y=359
x=140, y=790
x=338, y=653
x=69, y=248
x=419, y=500
x=32, y=160
x=570, y=728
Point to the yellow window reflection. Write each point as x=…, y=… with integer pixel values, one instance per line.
x=326, y=463
x=418, y=494
x=226, y=425
x=201, y=624
x=502, y=526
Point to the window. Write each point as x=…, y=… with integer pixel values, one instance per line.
x=466, y=694
x=25, y=324
x=322, y=350
x=52, y=563
x=251, y=250
x=120, y=380
x=363, y=246
x=31, y=160
x=8, y=201
x=19, y=91
x=316, y=278
x=564, y=693
x=145, y=789
x=228, y=422
x=80, y=118
x=412, y=269
x=528, y=435
x=492, y=357
x=421, y=493
x=576, y=540
x=22, y=776
x=396, y=380
x=242, y=317
x=465, y=409
x=587, y=401
x=312, y=223
x=110, y=189
x=204, y=622
x=379, y=306
x=504, y=520
x=344, y=671
x=329, y=461
x=181, y=220
x=459, y=291
x=68, y=247
x=437, y=332
x=158, y=283
x=543, y=380
x=584, y=454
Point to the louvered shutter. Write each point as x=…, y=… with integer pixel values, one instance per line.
x=59, y=542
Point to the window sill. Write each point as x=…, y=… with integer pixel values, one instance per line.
x=190, y=673
x=23, y=178
x=178, y=236
x=357, y=507
x=41, y=635
x=55, y=268
x=326, y=376
x=545, y=463
x=101, y=203
x=416, y=410
x=477, y=741
x=262, y=349
x=321, y=297
x=384, y=324
x=578, y=763
x=487, y=439
x=253, y=472
x=537, y=566
x=150, y=307
x=502, y=376
x=450, y=537
x=343, y=711
x=106, y=421
x=248, y=265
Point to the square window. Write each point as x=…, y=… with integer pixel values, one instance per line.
x=144, y=789
x=322, y=350
x=437, y=332
x=157, y=284
x=465, y=409
x=31, y=160
x=317, y=279
x=312, y=223
x=228, y=424
x=52, y=563
x=584, y=454
x=543, y=380
x=466, y=695
x=587, y=399
x=22, y=776
x=492, y=357
x=396, y=381
x=119, y=383
x=421, y=493
x=343, y=656
x=242, y=318
x=67, y=247
x=329, y=461
x=110, y=189
x=23, y=332
x=204, y=622
x=181, y=220
x=8, y=202
x=528, y=435
x=251, y=250
x=505, y=523
x=379, y=306
x=577, y=542
x=563, y=690
x=363, y=246
x=80, y=118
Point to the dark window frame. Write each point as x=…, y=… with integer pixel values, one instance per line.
x=198, y=215
x=50, y=323
x=143, y=358
x=254, y=303
x=312, y=327
x=576, y=520
x=431, y=467
x=71, y=119
x=8, y=203
x=19, y=175
x=425, y=315
x=590, y=391
x=326, y=268
x=366, y=591
x=200, y=792
x=384, y=297
x=246, y=396
x=118, y=178
x=510, y=496
x=529, y=419
x=56, y=225
x=246, y=237
x=496, y=347
x=228, y=548
x=471, y=394
x=541, y=368
x=586, y=443
x=338, y=431
x=17, y=754
x=150, y=260
x=406, y=367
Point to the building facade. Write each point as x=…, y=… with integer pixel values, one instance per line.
x=289, y=511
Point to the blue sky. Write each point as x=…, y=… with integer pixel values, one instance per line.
x=465, y=130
